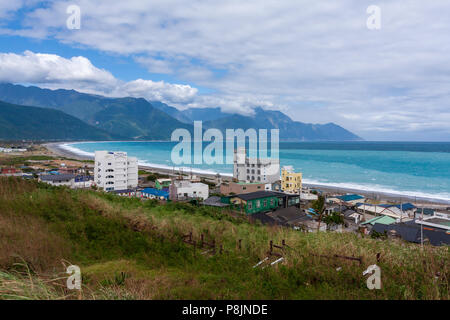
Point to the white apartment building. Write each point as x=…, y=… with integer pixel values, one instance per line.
x=255, y=169
x=185, y=189
x=115, y=171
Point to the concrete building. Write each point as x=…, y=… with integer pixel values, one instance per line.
x=115, y=171
x=255, y=169
x=228, y=188
x=185, y=189
x=291, y=181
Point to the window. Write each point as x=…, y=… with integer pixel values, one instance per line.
x=244, y=188
x=265, y=203
x=258, y=203
x=109, y=163
x=249, y=205
x=271, y=202
x=248, y=170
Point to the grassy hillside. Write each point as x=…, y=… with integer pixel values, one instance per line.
x=33, y=123
x=128, y=249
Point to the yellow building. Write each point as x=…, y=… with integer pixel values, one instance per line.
x=291, y=181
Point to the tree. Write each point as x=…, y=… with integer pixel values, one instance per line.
x=319, y=207
x=334, y=218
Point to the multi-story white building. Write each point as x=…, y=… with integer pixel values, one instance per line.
x=115, y=171
x=255, y=169
x=185, y=189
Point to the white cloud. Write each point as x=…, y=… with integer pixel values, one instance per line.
x=160, y=91
x=53, y=71
x=49, y=68
x=316, y=57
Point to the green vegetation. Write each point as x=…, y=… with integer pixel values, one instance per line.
x=132, y=249
x=22, y=122
x=98, y=118
x=12, y=161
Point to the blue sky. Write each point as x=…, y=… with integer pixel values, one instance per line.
x=314, y=60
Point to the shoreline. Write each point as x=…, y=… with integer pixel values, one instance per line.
x=57, y=149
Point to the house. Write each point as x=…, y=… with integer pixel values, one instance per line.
x=440, y=221
x=81, y=182
x=58, y=179
x=426, y=212
x=10, y=172
x=352, y=219
x=386, y=220
x=309, y=224
x=407, y=208
x=291, y=182
x=412, y=232
x=228, y=188
x=214, y=201
x=70, y=180
x=307, y=195
x=152, y=193
x=276, y=186
x=255, y=169
x=162, y=183
x=254, y=202
x=393, y=211
x=115, y=171
x=351, y=199
x=289, y=216
x=127, y=193
x=184, y=190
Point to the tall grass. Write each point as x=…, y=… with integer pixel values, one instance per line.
x=110, y=236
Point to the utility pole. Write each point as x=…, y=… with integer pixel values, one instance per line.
x=401, y=210
x=421, y=230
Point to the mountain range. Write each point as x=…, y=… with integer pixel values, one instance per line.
x=138, y=119
x=34, y=123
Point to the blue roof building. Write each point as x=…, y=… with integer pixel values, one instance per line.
x=155, y=193
x=350, y=197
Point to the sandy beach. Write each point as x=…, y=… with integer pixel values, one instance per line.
x=57, y=149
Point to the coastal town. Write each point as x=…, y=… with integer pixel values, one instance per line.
x=273, y=199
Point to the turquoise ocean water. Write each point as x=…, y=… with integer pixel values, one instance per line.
x=411, y=168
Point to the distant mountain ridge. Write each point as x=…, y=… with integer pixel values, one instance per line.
x=290, y=130
x=133, y=118
x=35, y=123
x=139, y=119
